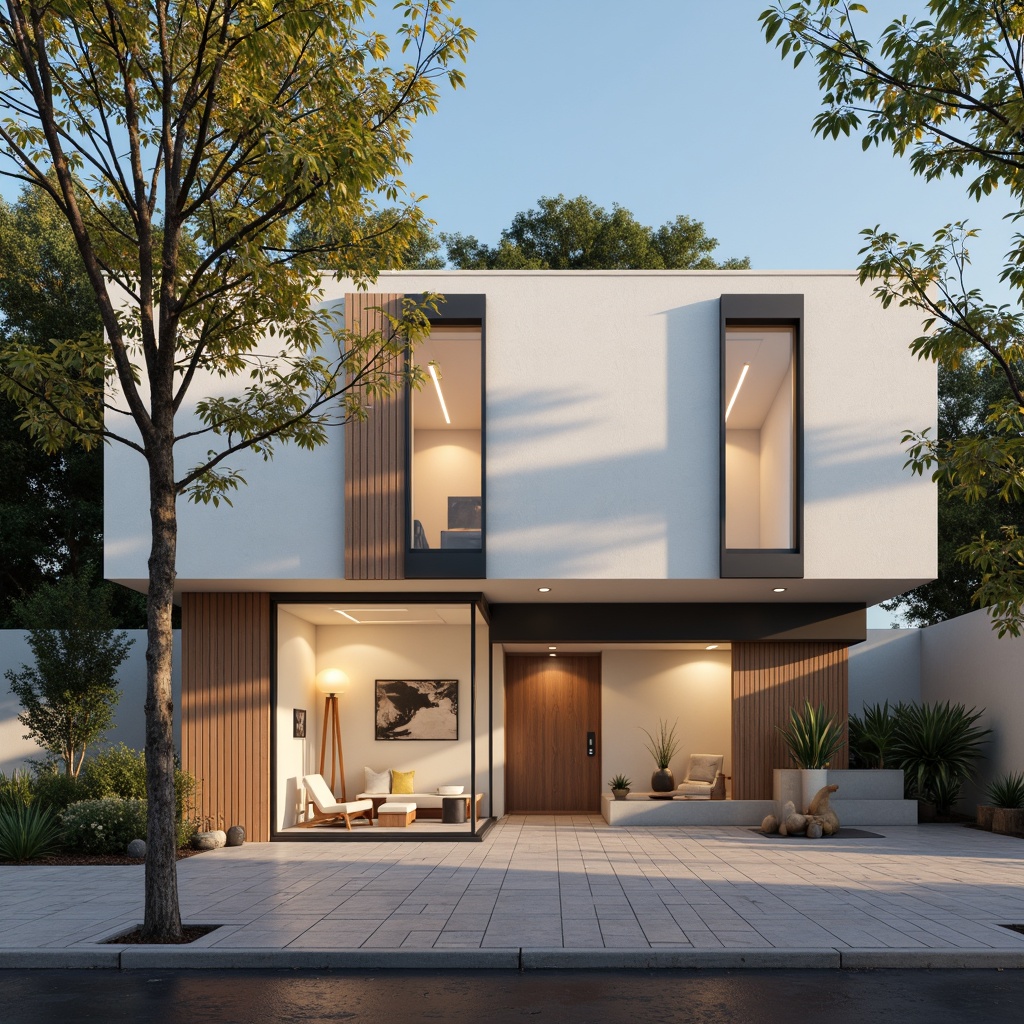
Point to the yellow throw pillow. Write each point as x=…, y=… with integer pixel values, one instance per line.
x=402, y=782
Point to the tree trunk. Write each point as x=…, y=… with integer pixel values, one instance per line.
x=163, y=916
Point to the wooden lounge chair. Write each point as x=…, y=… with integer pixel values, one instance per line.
x=323, y=809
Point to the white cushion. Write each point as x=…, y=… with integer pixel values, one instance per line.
x=704, y=767
x=320, y=793
x=694, y=788
x=393, y=808
x=377, y=782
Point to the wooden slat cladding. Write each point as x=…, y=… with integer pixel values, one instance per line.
x=767, y=680
x=550, y=706
x=225, y=712
x=375, y=466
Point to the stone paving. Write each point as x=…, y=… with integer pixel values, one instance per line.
x=548, y=884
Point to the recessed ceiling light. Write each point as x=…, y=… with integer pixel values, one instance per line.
x=552, y=647
x=437, y=385
x=544, y=590
x=779, y=590
x=552, y=655
x=736, y=393
x=711, y=647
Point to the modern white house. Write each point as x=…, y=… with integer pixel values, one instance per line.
x=620, y=498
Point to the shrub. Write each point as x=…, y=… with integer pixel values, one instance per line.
x=664, y=746
x=872, y=738
x=28, y=831
x=15, y=789
x=812, y=737
x=1007, y=791
x=937, y=746
x=54, y=789
x=103, y=826
x=117, y=771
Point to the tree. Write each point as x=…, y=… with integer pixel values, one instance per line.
x=70, y=694
x=200, y=152
x=964, y=402
x=946, y=91
x=51, y=511
x=577, y=234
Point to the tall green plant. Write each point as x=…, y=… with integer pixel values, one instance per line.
x=812, y=737
x=27, y=832
x=872, y=737
x=938, y=746
x=665, y=745
x=1007, y=791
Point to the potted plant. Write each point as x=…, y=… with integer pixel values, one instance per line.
x=813, y=737
x=1005, y=812
x=663, y=748
x=620, y=786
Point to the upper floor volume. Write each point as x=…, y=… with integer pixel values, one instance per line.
x=664, y=435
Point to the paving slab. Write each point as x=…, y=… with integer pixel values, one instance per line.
x=550, y=891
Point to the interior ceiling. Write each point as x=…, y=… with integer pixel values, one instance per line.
x=456, y=353
x=768, y=353
x=380, y=614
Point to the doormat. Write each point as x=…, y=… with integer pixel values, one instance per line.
x=843, y=833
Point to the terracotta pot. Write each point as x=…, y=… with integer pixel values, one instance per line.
x=663, y=781
x=620, y=794
x=985, y=813
x=1009, y=820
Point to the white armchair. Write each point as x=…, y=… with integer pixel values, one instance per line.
x=704, y=778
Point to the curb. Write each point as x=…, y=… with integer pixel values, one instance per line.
x=530, y=959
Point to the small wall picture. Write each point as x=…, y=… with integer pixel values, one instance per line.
x=416, y=709
x=299, y=723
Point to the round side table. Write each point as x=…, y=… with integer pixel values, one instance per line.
x=453, y=810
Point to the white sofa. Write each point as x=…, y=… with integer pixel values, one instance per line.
x=428, y=805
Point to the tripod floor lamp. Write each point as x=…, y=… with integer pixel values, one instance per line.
x=331, y=682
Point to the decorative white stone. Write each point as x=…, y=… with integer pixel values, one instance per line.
x=209, y=840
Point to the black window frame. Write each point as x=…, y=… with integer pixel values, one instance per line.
x=765, y=311
x=442, y=564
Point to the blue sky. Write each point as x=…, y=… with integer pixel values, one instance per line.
x=668, y=107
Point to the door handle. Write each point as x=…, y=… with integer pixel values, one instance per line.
x=591, y=744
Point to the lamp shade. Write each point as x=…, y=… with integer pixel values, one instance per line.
x=331, y=680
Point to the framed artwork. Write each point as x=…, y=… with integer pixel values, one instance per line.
x=416, y=709
x=299, y=723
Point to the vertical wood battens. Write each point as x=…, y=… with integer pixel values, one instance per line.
x=767, y=680
x=225, y=698
x=375, y=464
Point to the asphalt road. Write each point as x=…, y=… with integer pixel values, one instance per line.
x=565, y=997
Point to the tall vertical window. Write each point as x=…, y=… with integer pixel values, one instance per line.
x=446, y=479
x=447, y=468
x=761, y=443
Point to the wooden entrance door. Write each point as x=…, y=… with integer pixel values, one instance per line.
x=551, y=704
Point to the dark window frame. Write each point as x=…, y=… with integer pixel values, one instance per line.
x=439, y=564
x=765, y=311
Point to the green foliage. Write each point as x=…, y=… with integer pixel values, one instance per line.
x=27, y=831
x=55, y=789
x=15, y=789
x=812, y=737
x=965, y=396
x=664, y=746
x=68, y=696
x=873, y=737
x=619, y=782
x=103, y=826
x=577, y=234
x=937, y=746
x=120, y=771
x=947, y=92
x=1007, y=791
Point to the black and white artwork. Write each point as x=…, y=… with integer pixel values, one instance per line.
x=417, y=709
x=299, y=723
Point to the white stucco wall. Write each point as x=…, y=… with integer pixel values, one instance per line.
x=602, y=439
x=964, y=661
x=690, y=688
x=885, y=667
x=296, y=688
x=129, y=716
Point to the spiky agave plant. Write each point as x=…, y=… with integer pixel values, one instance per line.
x=27, y=832
x=1007, y=791
x=813, y=737
x=872, y=736
x=937, y=746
